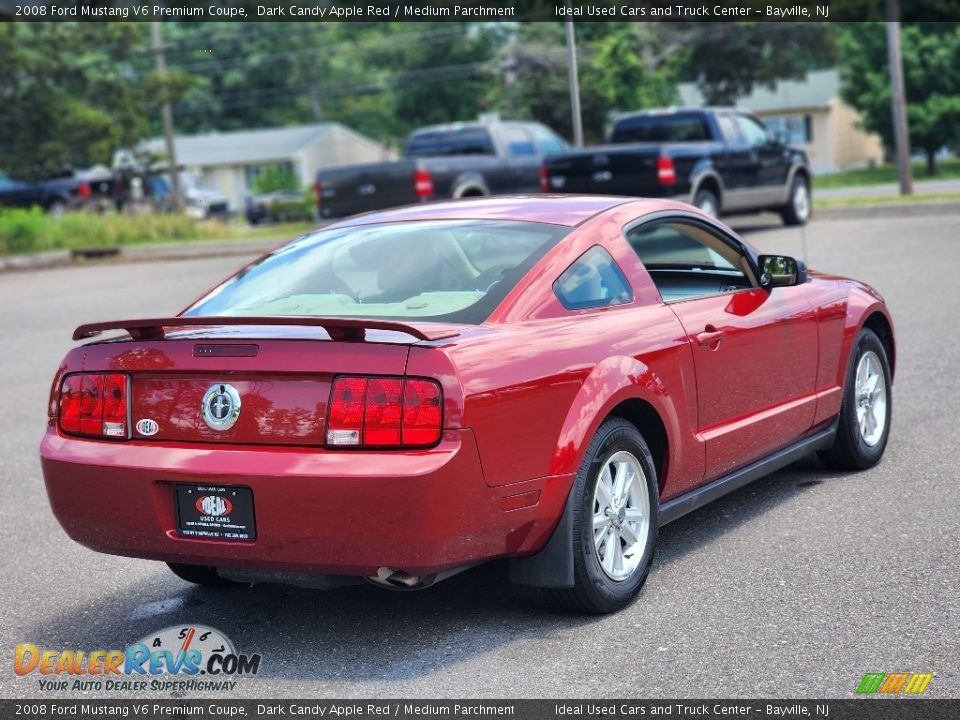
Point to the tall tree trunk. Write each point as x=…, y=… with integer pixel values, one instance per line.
x=931, y=162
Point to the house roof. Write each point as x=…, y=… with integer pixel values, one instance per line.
x=242, y=147
x=816, y=91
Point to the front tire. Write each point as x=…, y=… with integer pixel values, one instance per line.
x=798, y=207
x=615, y=521
x=865, y=411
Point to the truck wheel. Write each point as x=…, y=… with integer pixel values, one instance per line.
x=201, y=575
x=797, y=209
x=615, y=521
x=865, y=410
x=56, y=208
x=706, y=201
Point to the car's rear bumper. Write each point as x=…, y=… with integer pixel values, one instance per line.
x=317, y=511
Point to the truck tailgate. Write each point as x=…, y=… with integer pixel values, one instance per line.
x=361, y=188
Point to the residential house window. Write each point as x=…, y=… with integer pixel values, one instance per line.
x=797, y=129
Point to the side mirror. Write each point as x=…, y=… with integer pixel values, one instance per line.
x=781, y=271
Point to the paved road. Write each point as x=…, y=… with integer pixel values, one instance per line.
x=794, y=586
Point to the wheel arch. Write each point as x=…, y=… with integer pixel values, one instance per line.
x=470, y=185
x=879, y=323
x=645, y=418
x=619, y=387
x=709, y=181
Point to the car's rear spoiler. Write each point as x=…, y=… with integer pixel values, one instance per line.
x=337, y=328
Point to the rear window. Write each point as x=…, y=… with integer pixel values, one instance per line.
x=463, y=141
x=449, y=271
x=680, y=127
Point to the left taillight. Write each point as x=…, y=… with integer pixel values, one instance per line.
x=384, y=412
x=94, y=404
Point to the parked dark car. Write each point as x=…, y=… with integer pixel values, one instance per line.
x=280, y=206
x=54, y=196
x=443, y=161
x=723, y=161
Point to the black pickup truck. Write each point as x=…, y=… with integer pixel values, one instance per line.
x=443, y=161
x=54, y=196
x=721, y=160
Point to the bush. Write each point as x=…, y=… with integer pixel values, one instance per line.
x=32, y=230
x=275, y=179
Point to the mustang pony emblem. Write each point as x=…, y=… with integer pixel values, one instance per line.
x=221, y=406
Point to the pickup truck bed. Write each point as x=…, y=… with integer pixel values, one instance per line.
x=444, y=161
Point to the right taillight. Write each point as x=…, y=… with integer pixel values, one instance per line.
x=384, y=412
x=318, y=192
x=666, y=171
x=94, y=404
x=544, y=179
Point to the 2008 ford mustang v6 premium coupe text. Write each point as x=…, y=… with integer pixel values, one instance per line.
x=408, y=393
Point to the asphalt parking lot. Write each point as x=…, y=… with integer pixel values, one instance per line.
x=793, y=587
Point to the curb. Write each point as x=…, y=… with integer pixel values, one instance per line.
x=141, y=253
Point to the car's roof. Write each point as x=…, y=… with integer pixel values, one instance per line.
x=568, y=210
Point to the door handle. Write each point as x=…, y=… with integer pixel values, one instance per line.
x=710, y=338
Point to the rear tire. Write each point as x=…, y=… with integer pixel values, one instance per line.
x=615, y=521
x=798, y=207
x=866, y=408
x=201, y=575
x=707, y=202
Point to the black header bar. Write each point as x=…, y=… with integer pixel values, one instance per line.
x=476, y=10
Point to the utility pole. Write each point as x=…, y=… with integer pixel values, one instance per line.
x=898, y=103
x=156, y=30
x=574, y=83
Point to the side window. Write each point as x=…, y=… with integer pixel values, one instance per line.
x=728, y=128
x=519, y=143
x=753, y=132
x=549, y=143
x=594, y=280
x=687, y=261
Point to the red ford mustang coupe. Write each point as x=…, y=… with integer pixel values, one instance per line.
x=405, y=394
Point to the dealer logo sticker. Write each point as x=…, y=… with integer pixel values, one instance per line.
x=179, y=658
x=148, y=427
x=214, y=505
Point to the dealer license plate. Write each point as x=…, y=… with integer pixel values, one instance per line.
x=215, y=511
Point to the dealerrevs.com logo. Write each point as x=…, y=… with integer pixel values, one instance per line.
x=178, y=658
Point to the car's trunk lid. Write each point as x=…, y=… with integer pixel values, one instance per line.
x=242, y=385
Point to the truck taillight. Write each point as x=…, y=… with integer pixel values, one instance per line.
x=423, y=183
x=544, y=179
x=94, y=404
x=666, y=171
x=384, y=412
x=84, y=191
x=318, y=192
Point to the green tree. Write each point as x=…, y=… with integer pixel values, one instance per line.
x=931, y=66
x=67, y=95
x=619, y=65
x=728, y=60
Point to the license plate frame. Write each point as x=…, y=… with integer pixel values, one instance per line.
x=215, y=512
